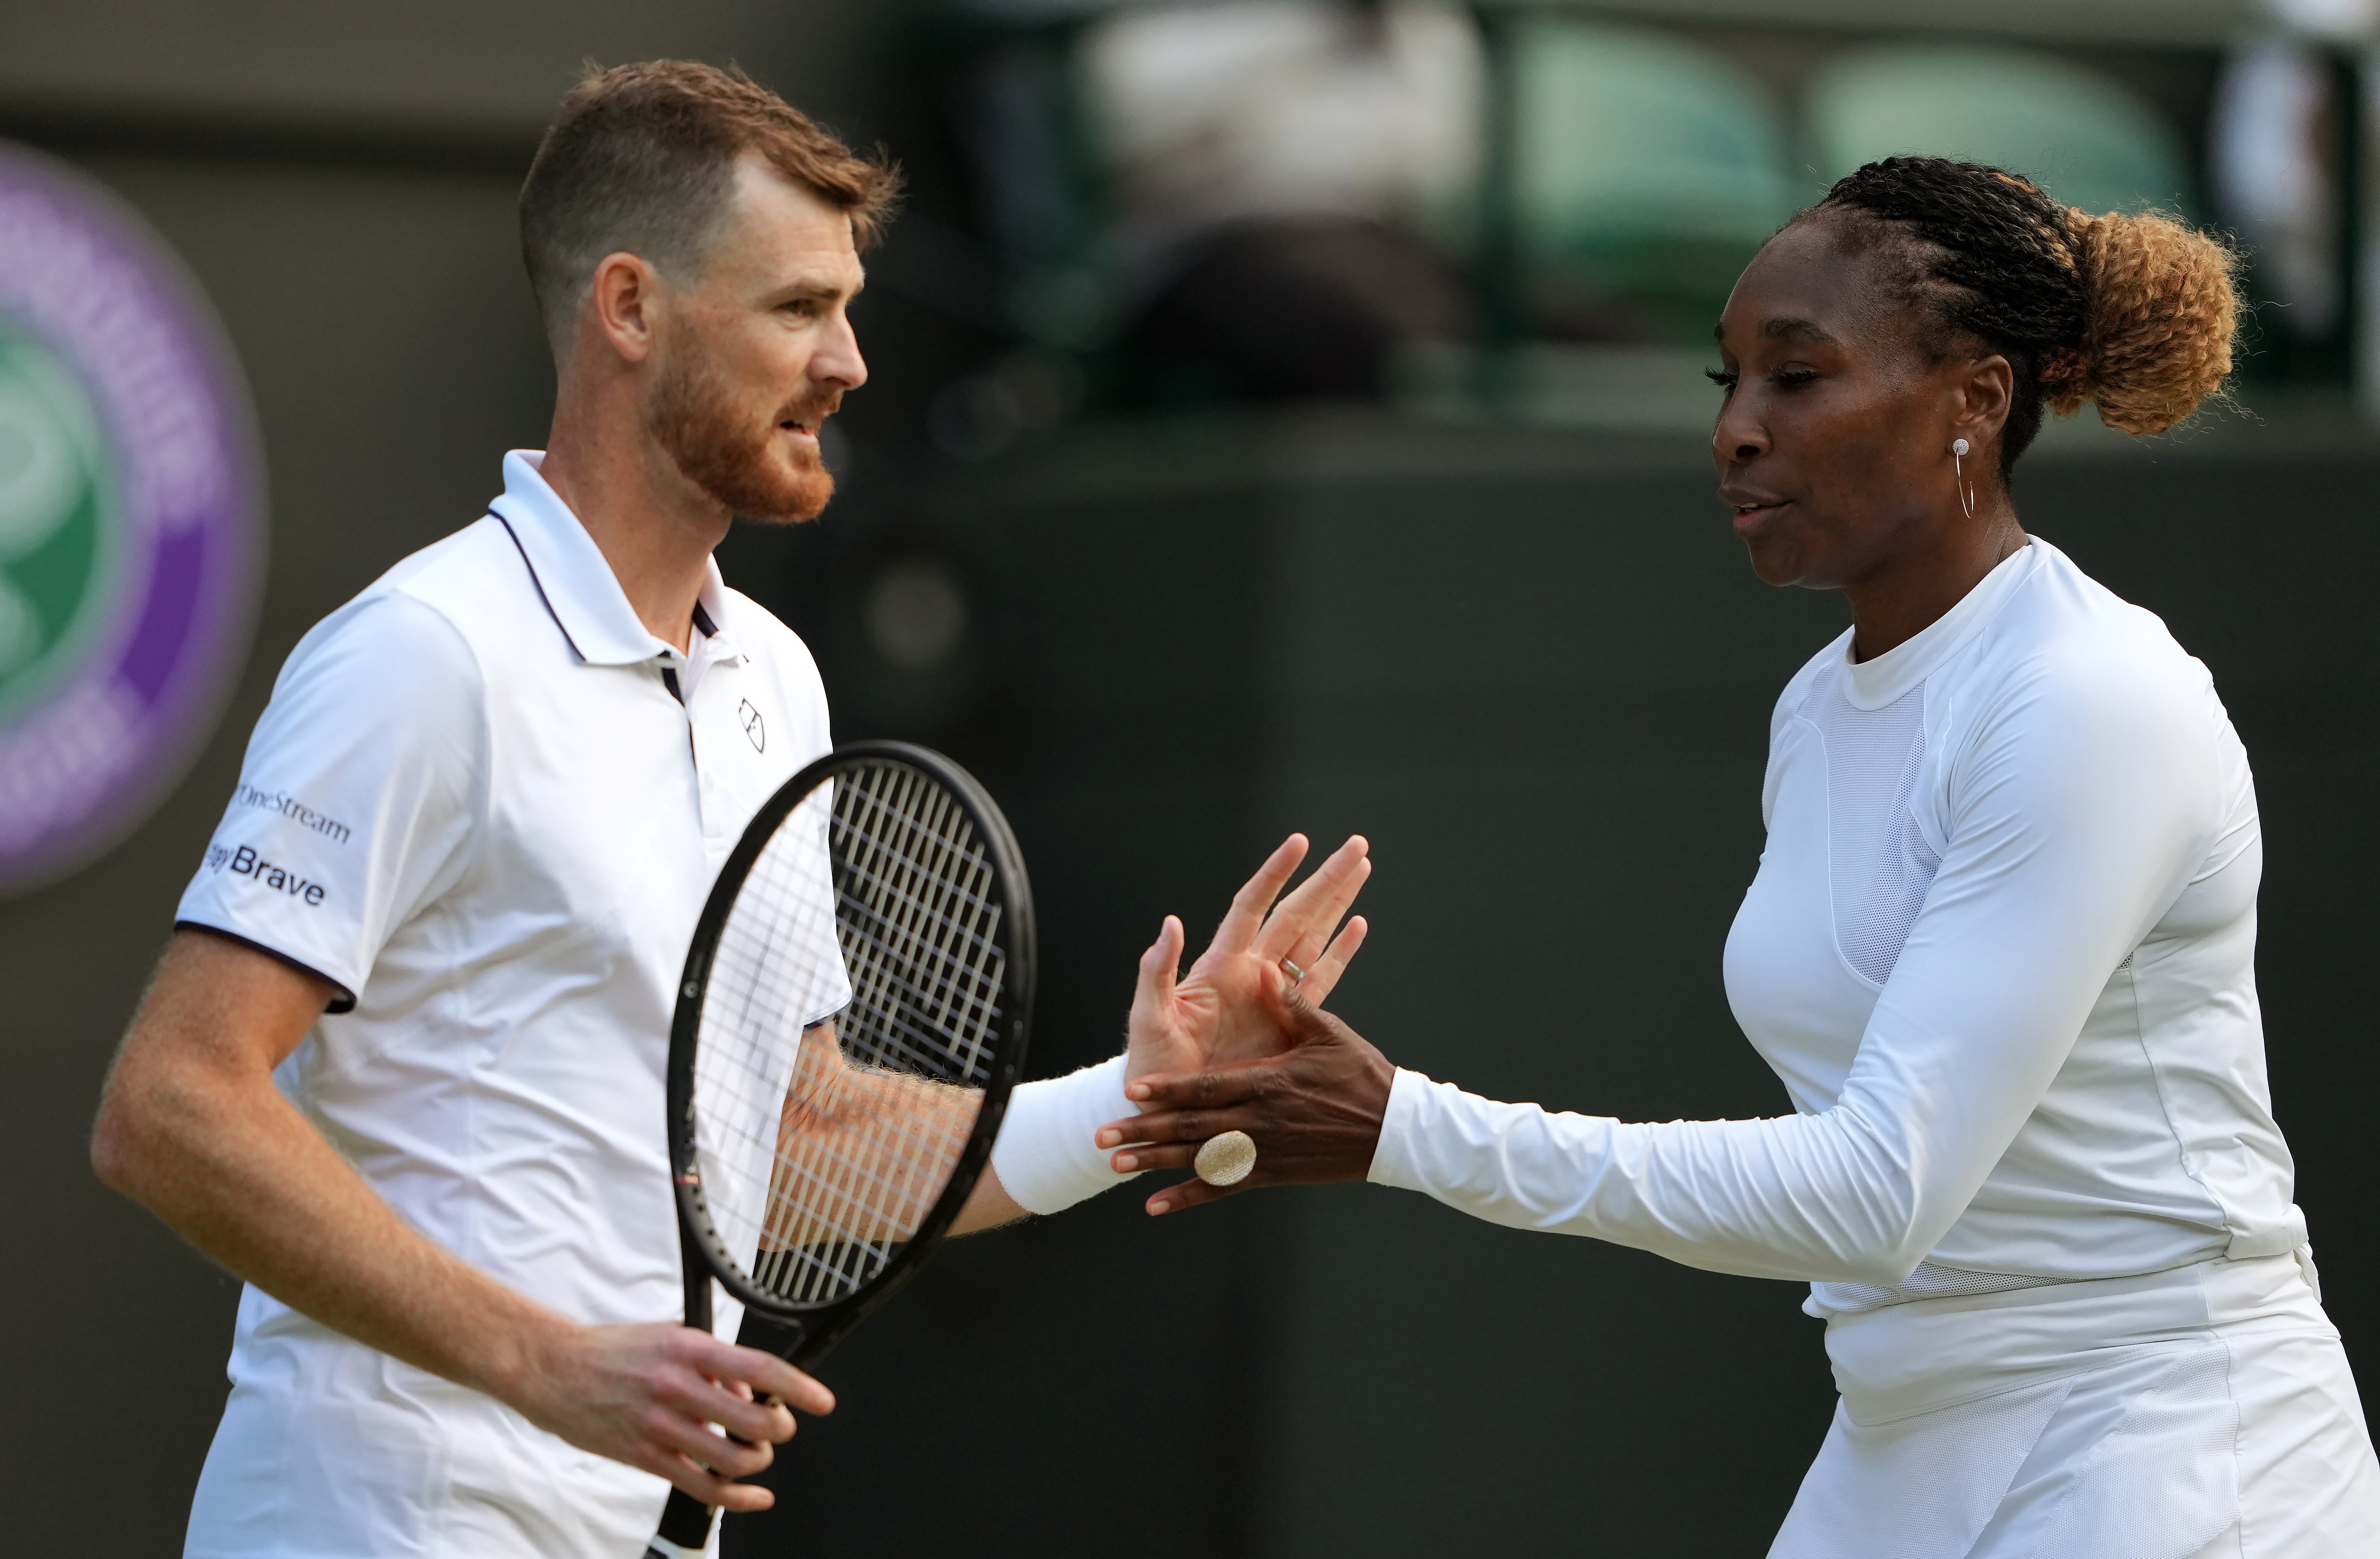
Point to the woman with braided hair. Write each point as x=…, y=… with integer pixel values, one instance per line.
x=1999, y=947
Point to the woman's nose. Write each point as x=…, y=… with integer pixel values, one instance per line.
x=1737, y=438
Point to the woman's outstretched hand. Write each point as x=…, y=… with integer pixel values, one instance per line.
x=1231, y=1005
x=1314, y=1112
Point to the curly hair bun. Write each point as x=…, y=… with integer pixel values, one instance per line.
x=2156, y=335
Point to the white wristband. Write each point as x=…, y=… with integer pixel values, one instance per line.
x=1043, y=1155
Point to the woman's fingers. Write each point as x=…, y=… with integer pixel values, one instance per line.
x=1315, y=1112
x=1160, y=1155
x=1224, y=1085
x=1193, y=1126
x=1324, y=974
x=1191, y=1193
x=1253, y=900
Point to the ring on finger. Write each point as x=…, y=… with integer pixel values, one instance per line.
x=1226, y=1159
x=1295, y=973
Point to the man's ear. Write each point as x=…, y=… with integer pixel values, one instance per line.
x=622, y=300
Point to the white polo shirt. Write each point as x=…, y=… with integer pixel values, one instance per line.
x=487, y=805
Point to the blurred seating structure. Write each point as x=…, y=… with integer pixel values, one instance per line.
x=1535, y=208
x=1646, y=170
x=2081, y=136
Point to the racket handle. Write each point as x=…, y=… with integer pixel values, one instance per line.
x=686, y=1521
x=685, y=1529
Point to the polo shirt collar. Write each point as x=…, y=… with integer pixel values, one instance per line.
x=575, y=580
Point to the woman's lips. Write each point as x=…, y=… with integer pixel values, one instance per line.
x=1751, y=516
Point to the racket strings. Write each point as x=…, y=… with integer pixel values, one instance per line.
x=852, y=1002
x=931, y=897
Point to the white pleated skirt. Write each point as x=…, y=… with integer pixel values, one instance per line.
x=2204, y=1413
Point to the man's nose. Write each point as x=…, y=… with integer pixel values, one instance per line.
x=838, y=361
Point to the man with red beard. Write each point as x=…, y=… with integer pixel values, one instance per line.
x=402, y=1066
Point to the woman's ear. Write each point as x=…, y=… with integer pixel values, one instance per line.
x=1986, y=392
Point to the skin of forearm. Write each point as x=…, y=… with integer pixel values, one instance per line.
x=892, y=1138
x=874, y=1150
x=194, y=1129
x=988, y=1207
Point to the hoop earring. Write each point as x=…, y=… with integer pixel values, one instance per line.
x=1959, y=475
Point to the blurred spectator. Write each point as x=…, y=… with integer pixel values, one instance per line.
x=2274, y=153
x=1285, y=176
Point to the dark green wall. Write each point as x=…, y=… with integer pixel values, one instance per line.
x=388, y=377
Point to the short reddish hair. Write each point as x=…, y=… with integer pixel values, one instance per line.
x=642, y=158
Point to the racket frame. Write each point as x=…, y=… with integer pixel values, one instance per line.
x=817, y=1326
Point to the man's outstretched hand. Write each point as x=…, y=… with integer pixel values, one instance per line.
x=1231, y=1005
x=1314, y=1112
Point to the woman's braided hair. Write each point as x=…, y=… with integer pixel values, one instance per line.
x=2132, y=313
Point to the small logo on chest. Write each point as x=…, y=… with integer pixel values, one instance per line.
x=754, y=726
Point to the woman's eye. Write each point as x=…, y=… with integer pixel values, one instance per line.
x=1794, y=378
x=1720, y=377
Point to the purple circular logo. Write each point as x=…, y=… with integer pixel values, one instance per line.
x=131, y=525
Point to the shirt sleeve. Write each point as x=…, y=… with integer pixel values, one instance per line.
x=359, y=795
x=2075, y=819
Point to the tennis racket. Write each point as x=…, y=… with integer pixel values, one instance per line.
x=853, y=1016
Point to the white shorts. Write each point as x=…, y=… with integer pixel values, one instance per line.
x=2206, y=1413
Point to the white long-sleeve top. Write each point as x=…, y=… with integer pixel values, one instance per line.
x=2000, y=951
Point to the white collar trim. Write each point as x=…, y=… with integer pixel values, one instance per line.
x=576, y=581
x=1876, y=683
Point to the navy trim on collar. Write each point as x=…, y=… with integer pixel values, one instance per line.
x=542, y=598
x=702, y=622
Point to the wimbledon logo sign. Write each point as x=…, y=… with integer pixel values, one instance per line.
x=131, y=525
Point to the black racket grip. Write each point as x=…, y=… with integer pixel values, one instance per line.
x=686, y=1520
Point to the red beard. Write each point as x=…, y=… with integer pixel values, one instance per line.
x=733, y=454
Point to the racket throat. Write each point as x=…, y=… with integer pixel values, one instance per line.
x=662, y=1548
x=684, y=1529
